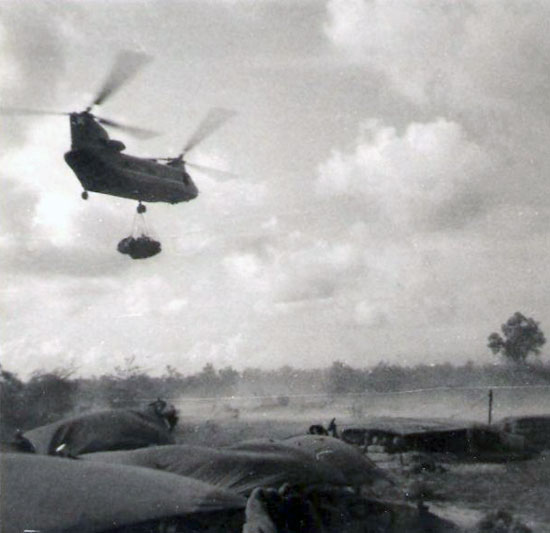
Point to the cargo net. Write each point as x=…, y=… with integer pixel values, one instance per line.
x=139, y=244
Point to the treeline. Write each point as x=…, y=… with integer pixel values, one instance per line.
x=47, y=396
x=342, y=378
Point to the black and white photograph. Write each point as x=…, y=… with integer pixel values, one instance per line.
x=275, y=266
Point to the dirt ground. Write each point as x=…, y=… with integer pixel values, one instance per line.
x=462, y=492
x=520, y=487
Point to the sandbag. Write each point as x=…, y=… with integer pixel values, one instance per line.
x=141, y=247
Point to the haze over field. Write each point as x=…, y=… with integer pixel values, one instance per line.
x=392, y=198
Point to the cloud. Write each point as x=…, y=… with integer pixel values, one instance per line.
x=79, y=261
x=17, y=205
x=175, y=306
x=366, y=314
x=242, y=265
x=52, y=233
x=479, y=66
x=32, y=64
x=312, y=270
x=466, y=54
x=429, y=177
x=37, y=186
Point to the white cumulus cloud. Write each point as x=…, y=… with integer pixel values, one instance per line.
x=429, y=176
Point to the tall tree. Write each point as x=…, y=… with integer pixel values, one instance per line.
x=342, y=378
x=521, y=336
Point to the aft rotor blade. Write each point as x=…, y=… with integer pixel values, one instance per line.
x=140, y=133
x=214, y=119
x=27, y=111
x=216, y=172
x=126, y=66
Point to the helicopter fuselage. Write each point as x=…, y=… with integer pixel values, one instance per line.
x=100, y=166
x=107, y=171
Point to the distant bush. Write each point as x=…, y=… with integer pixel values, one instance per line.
x=41, y=400
x=357, y=411
x=49, y=397
x=11, y=400
x=283, y=401
x=342, y=378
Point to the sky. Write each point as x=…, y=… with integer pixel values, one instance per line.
x=389, y=199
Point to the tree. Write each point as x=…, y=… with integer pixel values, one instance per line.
x=50, y=396
x=207, y=380
x=12, y=404
x=342, y=378
x=130, y=385
x=521, y=336
x=229, y=378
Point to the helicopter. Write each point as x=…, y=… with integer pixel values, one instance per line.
x=99, y=162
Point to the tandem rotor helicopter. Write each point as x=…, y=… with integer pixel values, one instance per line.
x=99, y=162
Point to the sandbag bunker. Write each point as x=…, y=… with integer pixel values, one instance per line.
x=471, y=441
x=120, y=471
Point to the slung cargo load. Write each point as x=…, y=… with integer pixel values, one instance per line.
x=141, y=247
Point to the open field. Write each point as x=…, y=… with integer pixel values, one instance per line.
x=522, y=488
x=452, y=403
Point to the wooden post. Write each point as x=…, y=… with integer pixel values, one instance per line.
x=490, y=405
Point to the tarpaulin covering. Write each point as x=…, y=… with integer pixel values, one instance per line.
x=116, y=429
x=356, y=468
x=353, y=465
x=239, y=471
x=50, y=494
x=141, y=247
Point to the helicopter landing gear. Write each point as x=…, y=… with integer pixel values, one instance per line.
x=84, y=195
x=141, y=208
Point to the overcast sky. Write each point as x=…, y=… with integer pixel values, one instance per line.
x=391, y=203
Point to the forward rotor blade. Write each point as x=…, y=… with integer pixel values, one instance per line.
x=126, y=66
x=214, y=119
x=26, y=111
x=140, y=133
x=215, y=172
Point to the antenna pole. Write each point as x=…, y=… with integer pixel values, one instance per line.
x=490, y=405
